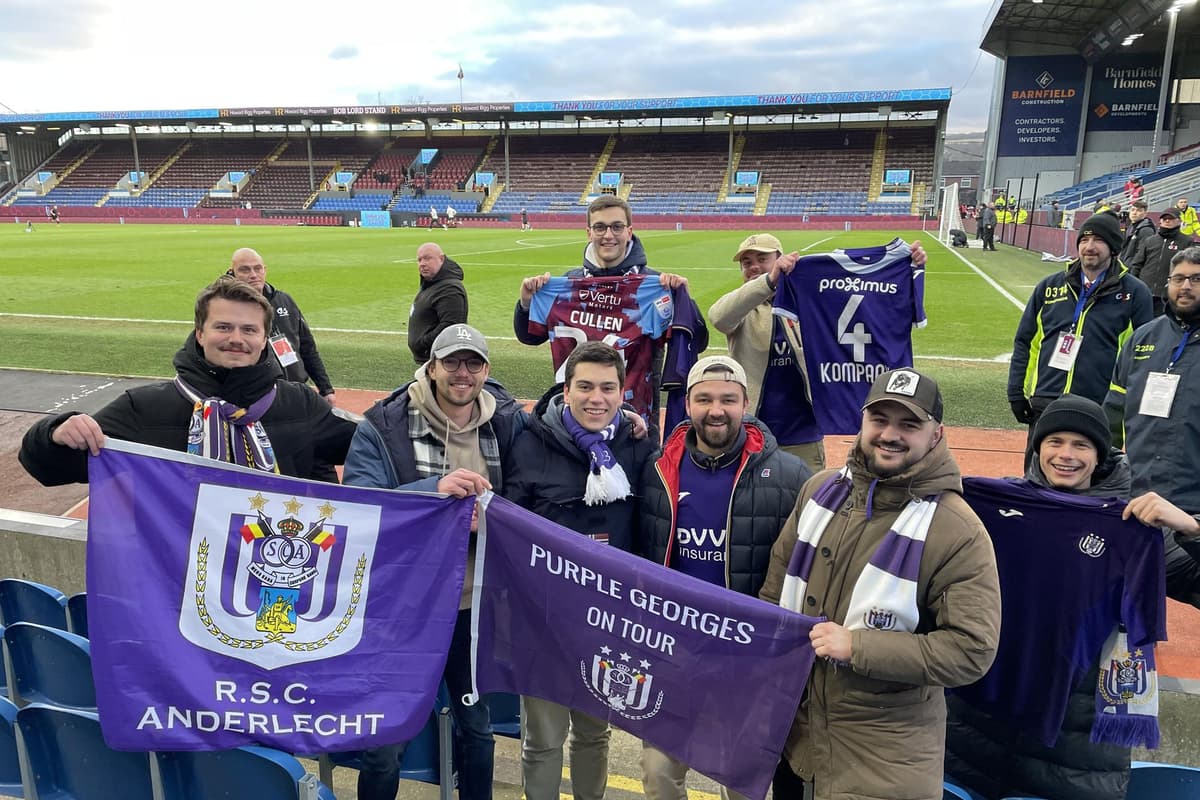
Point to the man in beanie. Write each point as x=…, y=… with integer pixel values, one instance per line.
x=1074, y=325
x=448, y=430
x=713, y=505
x=995, y=755
x=1151, y=260
x=887, y=549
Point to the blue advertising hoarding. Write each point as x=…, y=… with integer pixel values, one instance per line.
x=1043, y=101
x=1124, y=95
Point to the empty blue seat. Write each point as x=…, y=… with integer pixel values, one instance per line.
x=77, y=619
x=1153, y=781
x=246, y=773
x=10, y=763
x=46, y=665
x=67, y=759
x=26, y=601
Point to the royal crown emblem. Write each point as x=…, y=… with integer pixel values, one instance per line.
x=621, y=686
x=276, y=592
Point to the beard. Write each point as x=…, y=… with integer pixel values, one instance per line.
x=718, y=440
x=1188, y=316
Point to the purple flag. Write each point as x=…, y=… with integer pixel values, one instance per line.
x=230, y=606
x=710, y=676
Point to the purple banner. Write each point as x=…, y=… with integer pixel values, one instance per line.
x=710, y=676
x=231, y=607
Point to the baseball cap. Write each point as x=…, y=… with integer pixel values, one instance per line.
x=716, y=368
x=759, y=243
x=916, y=392
x=459, y=337
x=1169, y=211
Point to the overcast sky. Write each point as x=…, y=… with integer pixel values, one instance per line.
x=99, y=55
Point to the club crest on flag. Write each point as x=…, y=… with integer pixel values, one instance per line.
x=621, y=686
x=275, y=581
x=880, y=619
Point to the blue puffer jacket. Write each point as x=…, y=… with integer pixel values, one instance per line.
x=546, y=472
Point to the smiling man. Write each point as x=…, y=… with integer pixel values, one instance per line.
x=573, y=427
x=887, y=549
x=224, y=368
x=1074, y=325
x=614, y=250
x=449, y=430
x=714, y=503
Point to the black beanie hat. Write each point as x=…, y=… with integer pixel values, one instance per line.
x=1076, y=414
x=1107, y=227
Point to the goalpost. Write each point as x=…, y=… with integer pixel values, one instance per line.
x=951, y=216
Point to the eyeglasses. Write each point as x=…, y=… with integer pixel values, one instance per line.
x=599, y=228
x=1178, y=280
x=473, y=365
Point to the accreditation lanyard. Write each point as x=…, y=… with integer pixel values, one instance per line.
x=1088, y=288
x=1159, y=394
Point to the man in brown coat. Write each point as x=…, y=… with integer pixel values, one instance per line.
x=891, y=554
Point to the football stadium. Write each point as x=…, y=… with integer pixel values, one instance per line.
x=130, y=669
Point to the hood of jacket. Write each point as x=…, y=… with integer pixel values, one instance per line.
x=238, y=385
x=1112, y=478
x=450, y=271
x=937, y=472
x=546, y=421
x=635, y=259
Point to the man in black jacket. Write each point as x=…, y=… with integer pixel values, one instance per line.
x=549, y=471
x=440, y=302
x=223, y=368
x=712, y=507
x=1140, y=226
x=291, y=339
x=1152, y=260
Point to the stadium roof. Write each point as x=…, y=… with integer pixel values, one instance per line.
x=899, y=100
x=1091, y=27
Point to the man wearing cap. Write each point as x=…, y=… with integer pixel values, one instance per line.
x=1152, y=260
x=713, y=505
x=757, y=340
x=987, y=226
x=576, y=425
x=1189, y=222
x=1075, y=323
x=448, y=430
x=887, y=549
x=439, y=303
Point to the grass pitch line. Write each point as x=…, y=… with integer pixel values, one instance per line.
x=814, y=244
x=988, y=278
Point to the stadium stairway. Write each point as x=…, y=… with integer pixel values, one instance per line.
x=878, y=157
x=762, y=199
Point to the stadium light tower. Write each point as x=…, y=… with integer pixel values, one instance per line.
x=1165, y=83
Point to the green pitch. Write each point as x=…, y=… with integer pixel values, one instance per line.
x=111, y=298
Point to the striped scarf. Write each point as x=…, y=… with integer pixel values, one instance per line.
x=885, y=594
x=225, y=432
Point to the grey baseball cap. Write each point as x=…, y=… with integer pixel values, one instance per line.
x=457, y=338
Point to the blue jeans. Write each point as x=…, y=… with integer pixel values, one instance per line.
x=474, y=746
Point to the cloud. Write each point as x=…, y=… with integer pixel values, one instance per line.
x=343, y=51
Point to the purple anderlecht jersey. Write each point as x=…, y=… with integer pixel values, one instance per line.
x=630, y=312
x=856, y=310
x=1070, y=570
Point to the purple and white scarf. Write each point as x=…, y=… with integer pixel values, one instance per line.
x=226, y=432
x=1126, y=694
x=606, y=482
x=885, y=594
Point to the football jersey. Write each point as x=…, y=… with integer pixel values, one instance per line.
x=855, y=310
x=1070, y=570
x=629, y=312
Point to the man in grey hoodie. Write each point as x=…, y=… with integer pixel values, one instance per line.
x=448, y=430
